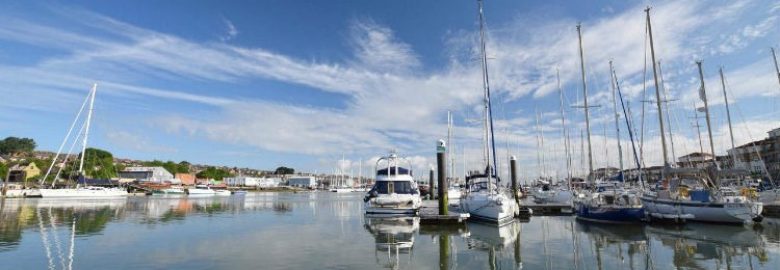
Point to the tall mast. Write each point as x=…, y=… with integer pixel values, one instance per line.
x=728, y=113
x=666, y=107
x=585, y=98
x=777, y=69
x=564, y=130
x=86, y=130
x=486, y=87
x=657, y=89
x=703, y=96
x=617, y=117
x=698, y=128
x=449, y=142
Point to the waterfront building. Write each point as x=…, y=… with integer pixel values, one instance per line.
x=245, y=181
x=302, y=181
x=186, y=179
x=753, y=156
x=148, y=174
x=695, y=160
x=23, y=172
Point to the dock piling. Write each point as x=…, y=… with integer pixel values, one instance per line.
x=441, y=162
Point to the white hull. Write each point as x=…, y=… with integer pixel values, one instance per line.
x=453, y=195
x=741, y=213
x=87, y=192
x=495, y=208
x=394, y=204
x=21, y=193
x=200, y=192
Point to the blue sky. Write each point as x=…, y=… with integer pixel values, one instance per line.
x=301, y=83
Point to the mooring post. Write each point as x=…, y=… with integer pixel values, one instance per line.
x=430, y=184
x=513, y=173
x=441, y=161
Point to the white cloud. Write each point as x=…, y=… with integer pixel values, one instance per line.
x=231, y=31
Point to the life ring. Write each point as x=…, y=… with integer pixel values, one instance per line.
x=683, y=192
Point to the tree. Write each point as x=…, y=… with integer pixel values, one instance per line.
x=284, y=170
x=14, y=145
x=3, y=171
x=213, y=173
x=98, y=163
x=170, y=166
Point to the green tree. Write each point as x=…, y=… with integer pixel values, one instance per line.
x=98, y=163
x=170, y=166
x=3, y=171
x=284, y=170
x=14, y=145
x=213, y=173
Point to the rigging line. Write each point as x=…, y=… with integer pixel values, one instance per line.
x=644, y=96
x=55, y=235
x=68, y=156
x=750, y=135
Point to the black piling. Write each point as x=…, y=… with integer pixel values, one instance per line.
x=441, y=162
x=430, y=185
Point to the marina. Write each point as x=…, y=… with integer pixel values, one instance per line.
x=321, y=143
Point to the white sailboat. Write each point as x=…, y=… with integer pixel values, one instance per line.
x=394, y=192
x=691, y=194
x=484, y=199
x=86, y=190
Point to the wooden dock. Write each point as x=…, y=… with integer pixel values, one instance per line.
x=429, y=214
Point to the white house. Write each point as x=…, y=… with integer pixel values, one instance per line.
x=269, y=182
x=242, y=181
x=147, y=174
x=302, y=181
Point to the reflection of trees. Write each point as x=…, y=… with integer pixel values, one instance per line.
x=11, y=225
x=282, y=207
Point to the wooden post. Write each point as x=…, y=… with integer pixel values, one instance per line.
x=441, y=161
x=430, y=185
x=513, y=175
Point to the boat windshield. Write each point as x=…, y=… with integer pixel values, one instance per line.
x=480, y=185
x=398, y=187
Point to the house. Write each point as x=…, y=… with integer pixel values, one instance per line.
x=695, y=160
x=757, y=155
x=242, y=181
x=302, y=181
x=23, y=172
x=148, y=174
x=269, y=182
x=187, y=179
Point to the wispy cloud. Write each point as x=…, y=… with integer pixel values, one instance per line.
x=231, y=31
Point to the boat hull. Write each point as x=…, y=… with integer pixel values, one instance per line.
x=491, y=208
x=83, y=192
x=612, y=214
x=737, y=213
x=22, y=193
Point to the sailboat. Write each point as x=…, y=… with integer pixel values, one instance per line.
x=610, y=202
x=85, y=190
x=484, y=199
x=690, y=193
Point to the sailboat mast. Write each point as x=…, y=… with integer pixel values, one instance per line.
x=657, y=88
x=698, y=128
x=585, y=98
x=777, y=69
x=728, y=112
x=486, y=85
x=617, y=116
x=666, y=107
x=703, y=96
x=564, y=130
x=86, y=130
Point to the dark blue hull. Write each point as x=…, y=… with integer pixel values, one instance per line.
x=609, y=214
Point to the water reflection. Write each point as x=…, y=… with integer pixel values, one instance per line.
x=323, y=230
x=392, y=238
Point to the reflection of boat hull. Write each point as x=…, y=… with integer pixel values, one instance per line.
x=222, y=192
x=491, y=235
x=585, y=211
x=700, y=211
x=83, y=192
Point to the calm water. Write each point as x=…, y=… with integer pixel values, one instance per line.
x=328, y=231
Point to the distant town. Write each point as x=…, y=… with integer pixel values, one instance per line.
x=21, y=164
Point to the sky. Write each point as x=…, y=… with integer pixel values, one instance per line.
x=306, y=84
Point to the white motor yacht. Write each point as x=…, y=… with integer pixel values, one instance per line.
x=200, y=190
x=394, y=192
